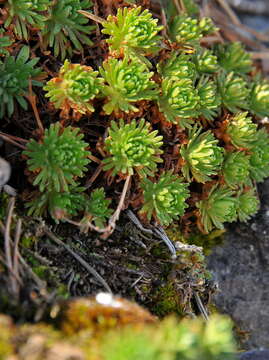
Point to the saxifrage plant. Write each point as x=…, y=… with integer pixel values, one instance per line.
x=201, y=110
x=16, y=72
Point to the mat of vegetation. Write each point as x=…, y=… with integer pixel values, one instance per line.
x=134, y=133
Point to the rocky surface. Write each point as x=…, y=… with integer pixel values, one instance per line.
x=255, y=355
x=241, y=268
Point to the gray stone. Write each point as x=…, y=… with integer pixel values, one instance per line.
x=241, y=268
x=255, y=355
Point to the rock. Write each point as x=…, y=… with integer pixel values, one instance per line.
x=255, y=355
x=241, y=267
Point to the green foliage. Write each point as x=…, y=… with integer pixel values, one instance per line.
x=74, y=88
x=178, y=101
x=185, y=30
x=241, y=130
x=207, y=26
x=247, y=204
x=98, y=208
x=236, y=168
x=16, y=72
x=234, y=91
x=126, y=82
x=58, y=159
x=5, y=42
x=184, y=340
x=218, y=207
x=202, y=156
x=25, y=15
x=233, y=57
x=64, y=24
x=188, y=31
x=164, y=199
x=259, y=158
x=132, y=32
x=58, y=204
x=209, y=103
x=259, y=97
x=132, y=147
x=178, y=65
x=206, y=61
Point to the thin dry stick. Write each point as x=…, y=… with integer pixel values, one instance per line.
x=226, y=7
x=16, y=138
x=8, y=139
x=2, y=260
x=95, y=159
x=177, y=6
x=94, y=176
x=201, y=306
x=92, y=16
x=115, y=217
x=16, y=252
x=259, y=55
x=40, y=283
x=10, y=209
x=32, y=99
x=79, y=259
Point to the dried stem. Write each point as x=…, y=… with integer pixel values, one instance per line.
x=79, y=259
x=7, y=138
x=92, y=16
x=32, y=99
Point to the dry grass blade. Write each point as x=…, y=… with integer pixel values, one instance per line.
x=79, y=259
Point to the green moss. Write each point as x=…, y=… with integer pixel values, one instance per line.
x=167, y=301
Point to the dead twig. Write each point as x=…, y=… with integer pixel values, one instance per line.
x=32, y=99
x=226, y=7
x=91, y=16
x=8, y=257
x=79, y=259
x=9, y=139
x=94, y=176
x=16, y=254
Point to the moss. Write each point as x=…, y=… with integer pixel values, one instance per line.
x=6, y=330
x=167, y=301
x=207, y=241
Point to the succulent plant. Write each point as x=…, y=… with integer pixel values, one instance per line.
x=58, y=204
x=16, y=72
x=217, y=208
x=207, y=26
x=98, y=208
x=234, y=91
x=178, y=65
x=132, y=147
x=132, y=32
x=236, y=168
x=164, y=199
x=201, y=155
x=247, y=204
x=25, y=14
x=259, y=158
x=209, y=99
x=185, y=30
x=58, y=159
x=178, y=101
x=233, y=57
x=74, y=88
x=64, y=24
x=206, y=61
x=188, y=31
x=241, y=130
x=126, y=82
x=259, y=98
